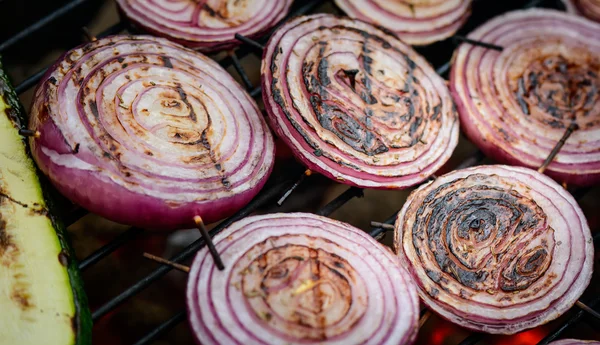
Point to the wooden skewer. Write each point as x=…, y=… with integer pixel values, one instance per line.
x=88, y=34
x=29, y=133
x=182, y=268
x=306, y=173
x=383, y=225
x=573, y=127
x=588, y=309
x=209, y=243
x=424, y=318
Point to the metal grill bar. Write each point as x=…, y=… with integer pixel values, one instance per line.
x=263, y=198
x=340, y=201
x=108, y=249
x=256, y=92
x=162, y=328
x=41, y=23
x=238, y=67
x=34, y=79
x=75, y=216
x=570, y=322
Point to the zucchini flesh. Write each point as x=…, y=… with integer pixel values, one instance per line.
x=41, y=293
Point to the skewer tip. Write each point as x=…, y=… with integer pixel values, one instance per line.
x=209, y=243
x=88, y=34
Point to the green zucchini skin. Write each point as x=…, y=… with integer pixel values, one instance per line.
x=82, y=321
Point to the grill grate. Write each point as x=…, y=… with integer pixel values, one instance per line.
x=277, y=184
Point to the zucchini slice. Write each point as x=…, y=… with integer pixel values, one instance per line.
x=41, y=293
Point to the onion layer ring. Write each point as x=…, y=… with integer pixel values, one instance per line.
x=205, y=25
x=516, y=104
x=300, y=279
x=419, y=22
x=356, y=104
x=495, y=249
x=145, y=132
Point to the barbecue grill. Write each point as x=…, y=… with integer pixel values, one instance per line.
x=579, y=322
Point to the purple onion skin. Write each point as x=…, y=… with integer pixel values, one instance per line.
x=575, y=342
x=150, y=213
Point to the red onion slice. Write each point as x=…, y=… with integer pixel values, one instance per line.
x=495, y=249
x=575, y=342
x=206, y=25
x=300, y=279
x=145, y=132
x=516, y=104
x=356, y=104
x=419, y=22
x=586, y=8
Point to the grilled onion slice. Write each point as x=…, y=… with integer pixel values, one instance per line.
x=145, y=132
x=206, y=25
x=586, y=8
x=517, y=104
x=356, y=104
x=300, y=279
x=416, y=22
x=496, y=249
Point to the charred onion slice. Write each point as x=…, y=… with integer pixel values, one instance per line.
x=300, y=279
x=206, y=25
x=516, y=104
x=356, y=104
x=496, y=249
x=145, y=132
x=417, y=22
x=586, y=8
x=575, y=342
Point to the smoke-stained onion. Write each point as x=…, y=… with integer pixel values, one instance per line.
x=419, y=22
x=496, y=249
x=207, y=25
x=300, y=279
x=586, y=8
x=145, y=132
x=356, y=104
x=575, y=342
x=516, y=104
